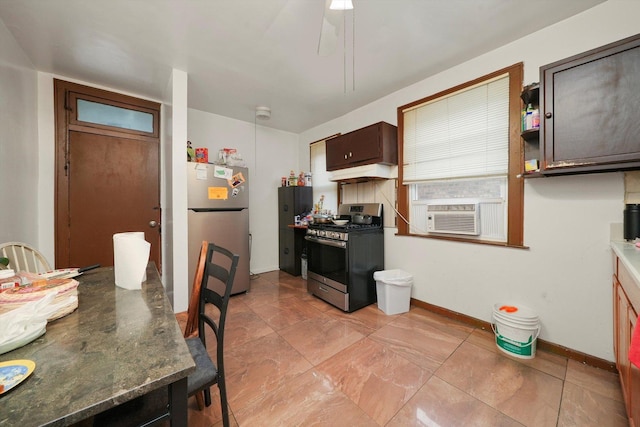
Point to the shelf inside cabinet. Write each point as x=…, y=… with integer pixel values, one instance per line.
x=533, y=174
x=531, y=134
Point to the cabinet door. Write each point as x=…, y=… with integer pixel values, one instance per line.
x=338, y=152
x=590, y=116
x=634, y=378
x=365, y=146
x=616, y=316
x=623, y=336
x=285, y=207
x=287, y=261
x=293, y=201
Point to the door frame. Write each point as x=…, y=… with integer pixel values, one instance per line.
x=65, y=117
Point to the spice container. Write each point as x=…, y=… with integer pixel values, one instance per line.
x=8, y=280
x=293, y=179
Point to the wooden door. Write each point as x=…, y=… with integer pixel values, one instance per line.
x=107, y=176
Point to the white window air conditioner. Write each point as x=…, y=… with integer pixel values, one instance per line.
x=456, y=218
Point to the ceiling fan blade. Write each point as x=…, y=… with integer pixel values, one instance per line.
x=331, y=26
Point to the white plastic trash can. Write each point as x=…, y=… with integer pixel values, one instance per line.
x=394, y=290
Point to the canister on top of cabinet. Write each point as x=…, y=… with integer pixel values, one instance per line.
x=631, y=221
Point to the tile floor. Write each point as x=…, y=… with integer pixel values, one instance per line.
x=294, y=360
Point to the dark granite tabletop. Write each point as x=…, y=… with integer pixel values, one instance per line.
x=118, y=344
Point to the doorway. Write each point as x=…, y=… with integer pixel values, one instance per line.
x=107, y=173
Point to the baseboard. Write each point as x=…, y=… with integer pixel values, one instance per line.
x=540, y=344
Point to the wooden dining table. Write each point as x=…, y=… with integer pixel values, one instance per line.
x=117, y=347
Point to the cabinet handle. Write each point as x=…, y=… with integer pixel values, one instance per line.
x=350, y=154
x=548, y=115
x=345, y=157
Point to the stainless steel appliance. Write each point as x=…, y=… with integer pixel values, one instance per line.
x=341, y=259
x=218, y=212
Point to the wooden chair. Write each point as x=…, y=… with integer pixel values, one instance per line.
x=220, y=271
x=194, y=300
x=23, y=257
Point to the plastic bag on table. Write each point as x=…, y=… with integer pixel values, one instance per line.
x=24, y=324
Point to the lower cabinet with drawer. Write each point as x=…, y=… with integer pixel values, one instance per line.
x=626, y=303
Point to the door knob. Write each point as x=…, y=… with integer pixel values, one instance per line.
x=153, y=224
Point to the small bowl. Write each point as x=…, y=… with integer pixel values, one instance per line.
x=340, y=221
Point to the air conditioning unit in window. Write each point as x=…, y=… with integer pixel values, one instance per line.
x=456, y=218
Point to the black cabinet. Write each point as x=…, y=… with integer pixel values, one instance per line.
x=591, y=107
x=377, y=143
x=292, y=201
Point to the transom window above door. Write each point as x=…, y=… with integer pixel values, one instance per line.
x=105, y=114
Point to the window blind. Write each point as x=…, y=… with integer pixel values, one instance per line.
x=465, y=134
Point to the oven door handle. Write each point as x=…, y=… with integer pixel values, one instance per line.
x=334, y=243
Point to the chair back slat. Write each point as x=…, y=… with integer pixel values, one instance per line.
x=23, y=257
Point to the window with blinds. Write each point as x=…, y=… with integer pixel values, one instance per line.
x=459, y=149
x=465, y=134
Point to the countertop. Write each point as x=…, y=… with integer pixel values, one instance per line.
x=117, y=345
x=629, y=254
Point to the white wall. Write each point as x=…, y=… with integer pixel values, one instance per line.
x=18, y=143
x=565, y=276
x=277, y=153
x=174, y=228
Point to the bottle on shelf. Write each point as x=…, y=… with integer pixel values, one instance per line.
x=535, y=118
x=528, y=118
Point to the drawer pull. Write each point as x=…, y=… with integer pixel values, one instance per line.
x=323, y=289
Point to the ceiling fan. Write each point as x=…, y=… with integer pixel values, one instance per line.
x=332, y=24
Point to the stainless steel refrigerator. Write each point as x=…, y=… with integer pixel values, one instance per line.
x=218, y=212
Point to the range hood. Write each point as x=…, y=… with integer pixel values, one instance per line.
x=374, y=171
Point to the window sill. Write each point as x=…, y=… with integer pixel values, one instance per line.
x=465, y=240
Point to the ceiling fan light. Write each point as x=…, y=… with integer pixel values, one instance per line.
x=341, y=5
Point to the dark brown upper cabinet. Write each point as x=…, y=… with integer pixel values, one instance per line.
x=591, y=110
x=376, y=143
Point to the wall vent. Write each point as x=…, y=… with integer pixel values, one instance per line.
x=456, y=218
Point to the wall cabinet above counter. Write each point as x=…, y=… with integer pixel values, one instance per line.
x=590, y=106
x=374, y=144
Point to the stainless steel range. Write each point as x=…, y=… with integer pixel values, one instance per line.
x=341, y=259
